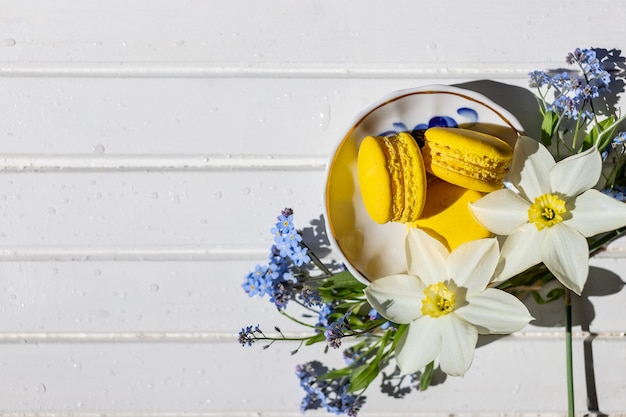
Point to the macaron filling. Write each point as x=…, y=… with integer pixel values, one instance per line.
x=401, y=162
x=467, y=158
x=480, y=167
x=396, y=169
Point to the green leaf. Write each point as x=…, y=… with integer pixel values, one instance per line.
x=609, y=128
x=401, y=329
x=342, y=286
x=343, y=280
x=427, y=376
x=550, y=119
x=363, y=376
x=593, y=137
x=383, y=344
x=527, y=278
x=316, y=339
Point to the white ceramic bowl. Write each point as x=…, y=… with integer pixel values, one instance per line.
x=370, y=250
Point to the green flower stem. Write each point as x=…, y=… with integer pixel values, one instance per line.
x=300, y=322
x=612, y=178
x=568, y=354
x=369, y=352
x=370, y=329
x=576, y=131
x=606, y=239
x=559, y=140
x=283, y=338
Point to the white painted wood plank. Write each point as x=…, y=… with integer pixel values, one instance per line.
x=197, y=118
x=341, y=37
x=118, y=301
x=117, y=212
x=181, y=215
x=600, y=307
x=527, y=379
x=160, y=139
x=130, y=297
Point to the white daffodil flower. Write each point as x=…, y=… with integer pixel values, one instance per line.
x=445, y=300
x=551, y=215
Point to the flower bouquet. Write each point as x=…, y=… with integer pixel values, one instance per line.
x=545, y=226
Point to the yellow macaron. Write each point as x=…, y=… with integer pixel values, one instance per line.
x=392, y=178
x=447, y=216
x=467, y=158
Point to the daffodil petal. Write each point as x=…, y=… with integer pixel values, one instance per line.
x=426, y=256
x=419, y=345
x=501, y=211
x=566, y=254
x=458, y=342
x=396, y=297
x=494, y=311
x=595, y=213
x=577, y=173
x=472, y=264
x=520, y=251
x=530, y=168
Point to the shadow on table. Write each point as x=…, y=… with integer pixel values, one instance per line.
x=316, y=238
x=519, y=101
x=601, y=283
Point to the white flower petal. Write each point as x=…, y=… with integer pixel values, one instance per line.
x=494, y=311
x=566, y=254
x=530, y=168
x=472, y=264
x=419, y=345
x=501, y=211
x=520, y=251
x=426, y=257
x=595, y=213
x=577, y=173
x=396, y=297
x=458, y=342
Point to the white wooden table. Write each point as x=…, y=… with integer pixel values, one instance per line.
x=145, y=150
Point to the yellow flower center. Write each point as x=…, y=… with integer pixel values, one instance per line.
x=438, y=300
x=546, y=211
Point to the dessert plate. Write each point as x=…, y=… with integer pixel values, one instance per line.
x=368, y=249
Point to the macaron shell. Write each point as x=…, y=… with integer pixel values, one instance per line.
x=447, y=216
x=375, y=180
x=464, y=180
x=392, y=178
x=467, y=158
